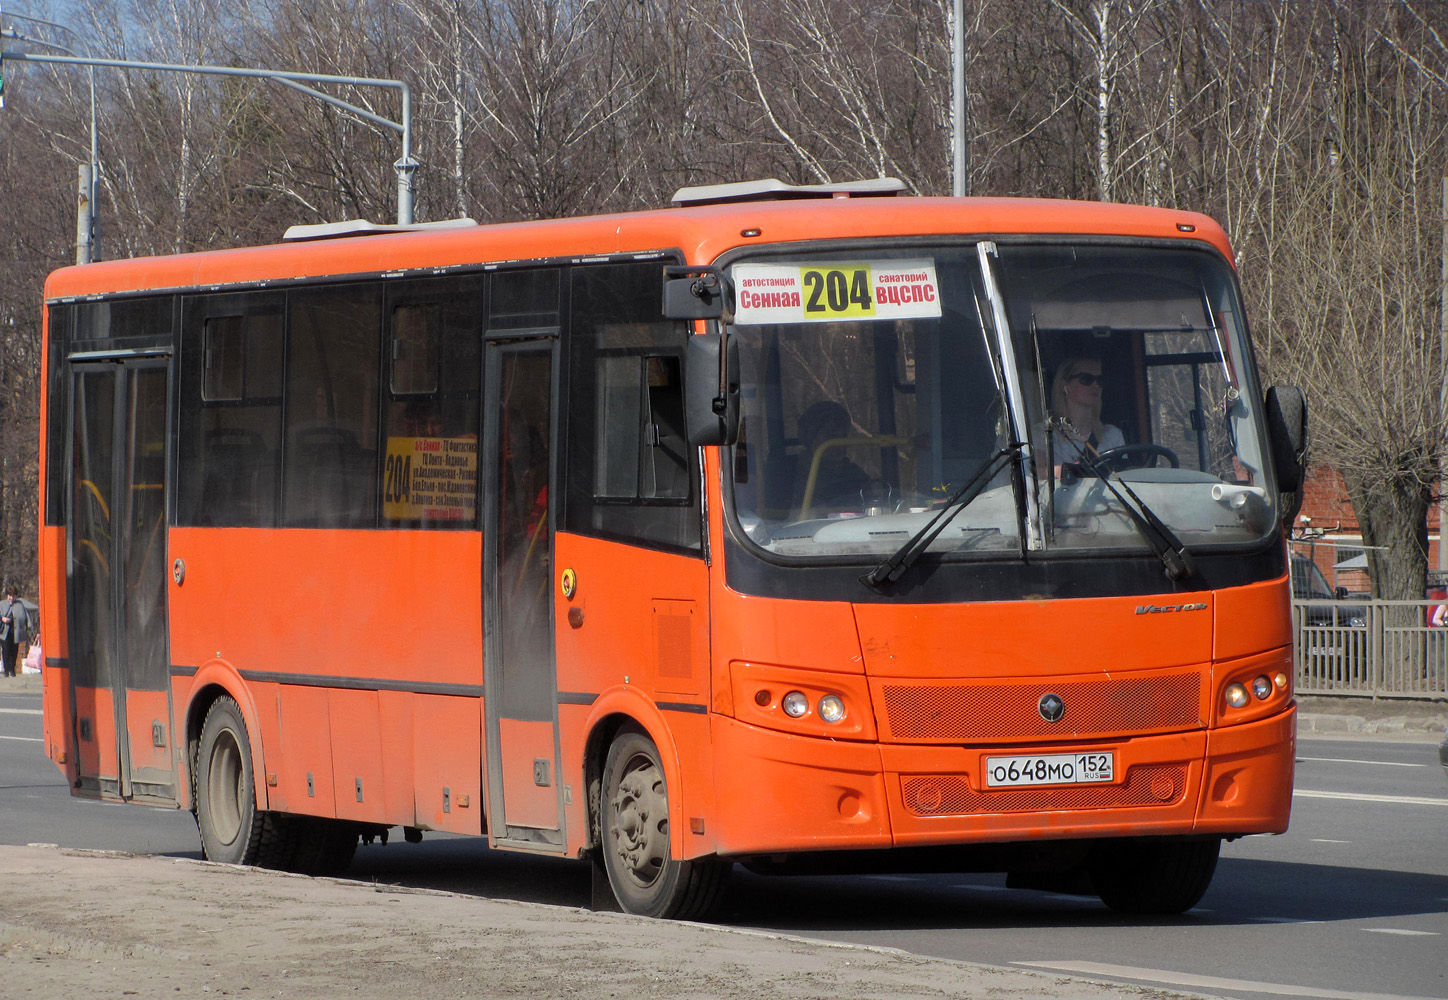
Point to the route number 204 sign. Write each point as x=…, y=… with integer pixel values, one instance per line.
x=835, y=291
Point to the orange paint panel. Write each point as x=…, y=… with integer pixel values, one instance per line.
x=396, y=718
x=99, y=755
x=54, y=623
x=150, y=763
x=702, y=233
x=59, y=722
x=525, y=802
x=777, y=793
x=1077, y=636
x=692, y=797
x=622, y=594
x=940, y=798
x=447, y=754
x=306, y=751
x=265, y=732
x=1249, y=776
x=357, y=785
x=572, y=743
x=348, y=608
x=810, y=635
x=1253, y=619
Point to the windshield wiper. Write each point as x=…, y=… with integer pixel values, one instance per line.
x=895, y=566
x=1170, y=549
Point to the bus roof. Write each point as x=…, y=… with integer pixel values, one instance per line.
x=702, y=233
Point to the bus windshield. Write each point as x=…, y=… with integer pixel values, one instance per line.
x=1083, y=382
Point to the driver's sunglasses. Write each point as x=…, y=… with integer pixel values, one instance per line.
x=1087, y=379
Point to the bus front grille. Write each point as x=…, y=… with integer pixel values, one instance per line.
x=1094, y=707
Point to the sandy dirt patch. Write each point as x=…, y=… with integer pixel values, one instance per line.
x=102, y=925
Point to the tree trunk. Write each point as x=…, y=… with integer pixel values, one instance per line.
x=1394, y=515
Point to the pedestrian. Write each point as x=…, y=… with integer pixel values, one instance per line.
x=15, y=629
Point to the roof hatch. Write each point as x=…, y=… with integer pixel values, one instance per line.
x=770, y=189
x=361, y=227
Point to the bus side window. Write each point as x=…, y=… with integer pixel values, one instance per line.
x=330, y=469
x=630, y=472
x=231, y=416
x=430, y=438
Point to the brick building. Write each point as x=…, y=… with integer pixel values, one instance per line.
x=1327, y=529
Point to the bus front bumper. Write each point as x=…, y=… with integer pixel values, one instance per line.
x=778, y=794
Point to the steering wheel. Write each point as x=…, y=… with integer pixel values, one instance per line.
x=1137, y=456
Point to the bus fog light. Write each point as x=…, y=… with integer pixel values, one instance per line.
x=832, y=708
x=795, y=704
x=1262, y=688
x=1236, y=695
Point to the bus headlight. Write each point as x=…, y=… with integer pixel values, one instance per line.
x=795, y=704
x=1237, y=695
x=832, y=708
x=1262, y=688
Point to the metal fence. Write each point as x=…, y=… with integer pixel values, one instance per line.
x=1370, y=649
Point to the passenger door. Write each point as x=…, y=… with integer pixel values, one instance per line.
x=118, y=564
x=520, y=689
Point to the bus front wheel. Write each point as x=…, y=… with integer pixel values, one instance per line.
x=1152, y=876
x=646, y=879
x=233, y=830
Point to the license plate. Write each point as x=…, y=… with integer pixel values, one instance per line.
x=1049, y=769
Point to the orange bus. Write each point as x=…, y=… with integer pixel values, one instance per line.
x=805, y=528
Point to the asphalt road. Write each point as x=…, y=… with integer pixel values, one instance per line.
x=1350, y=904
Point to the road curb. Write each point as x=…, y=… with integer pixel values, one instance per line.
x=1315, y=722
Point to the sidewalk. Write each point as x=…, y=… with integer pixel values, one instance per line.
x=1404, y=719
x=103, y=924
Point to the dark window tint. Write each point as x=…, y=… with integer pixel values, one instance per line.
x=331, y=470
x=57, y=408
x=630, y=472
x=430, y=461
x=243, y=358
x=230, y=422
x=124, y=319
x=92, y=623
x=524, y=299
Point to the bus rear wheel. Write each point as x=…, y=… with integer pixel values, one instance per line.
x=646, y=879
x=233, y=830
x=1153, y=876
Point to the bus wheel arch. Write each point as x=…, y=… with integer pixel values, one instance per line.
x=635, y=833
x=203, y=697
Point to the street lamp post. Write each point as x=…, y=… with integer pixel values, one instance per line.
x=90, y=173
x=405, y=166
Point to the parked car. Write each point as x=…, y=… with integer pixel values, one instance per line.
x=1331, y=650
x=1443, y=755
x=1308, y=584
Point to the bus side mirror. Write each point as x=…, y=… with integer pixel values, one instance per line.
x=711, y=390
x=1286, y=411
x=695, y=292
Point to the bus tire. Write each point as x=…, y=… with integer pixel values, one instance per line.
x=644, y=876
x=1153, y=876
x=233, y=830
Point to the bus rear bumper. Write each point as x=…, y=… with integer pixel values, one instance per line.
x=780, y=794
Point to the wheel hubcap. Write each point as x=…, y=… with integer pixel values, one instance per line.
x=641, y=821
x=224, y=775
